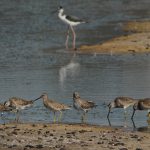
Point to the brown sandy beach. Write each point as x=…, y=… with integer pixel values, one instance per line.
x=137, y=40
x=70, y=137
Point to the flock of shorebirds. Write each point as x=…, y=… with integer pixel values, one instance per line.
x=17, y=104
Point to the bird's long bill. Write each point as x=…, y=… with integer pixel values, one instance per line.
x=38, y=98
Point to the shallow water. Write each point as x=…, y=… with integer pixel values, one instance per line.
x=33, y=59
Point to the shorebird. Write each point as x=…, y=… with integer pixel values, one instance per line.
x=121, y=102
x=81, y=104
x=141, y=104
x=54, y=106
x=3, y=109
x=18, y=104
x=70, y=21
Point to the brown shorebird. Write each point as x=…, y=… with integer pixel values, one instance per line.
x=53, y=106
x=3, y=109
x=121, y=102
x=81, y=104
x=141, y=104
x=18, y=104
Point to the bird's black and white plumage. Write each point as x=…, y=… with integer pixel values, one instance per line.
x=71, y=21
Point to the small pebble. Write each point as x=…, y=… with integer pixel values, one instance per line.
x=39, y=146
x=29, y=146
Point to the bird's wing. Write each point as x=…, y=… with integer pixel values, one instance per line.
x=74, y=18
x=86, y=104
x=19, y=101
x=123, y=100
x=56, y=105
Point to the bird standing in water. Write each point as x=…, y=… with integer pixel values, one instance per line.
x=82, y=104
x=3, y=109
x=121, y=102
x=53, y=106
x=70, y=21
x=18, y=104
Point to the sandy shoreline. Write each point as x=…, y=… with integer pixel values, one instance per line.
x=70, y=137
x=137, y=40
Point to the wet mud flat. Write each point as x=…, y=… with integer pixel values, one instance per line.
x=136, y=40
x=70, y=137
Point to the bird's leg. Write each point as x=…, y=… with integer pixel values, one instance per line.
x=125, y=113
x=125, y=118
x=54, y=119
x=108, y=112
x=109, y=121
x=133, y=114
x=3, y=117
x=67, y=38
x=74, y=38
x=60, y=116
x=134, y=127
x=83, y=118
x=17, y=116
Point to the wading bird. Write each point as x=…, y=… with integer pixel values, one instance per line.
x=18, y=104
x=82, y=104
x=121, y=102
x=70, y=21
x=53, y=106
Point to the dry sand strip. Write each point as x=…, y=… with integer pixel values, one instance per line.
x=134, y=43
x=138, y=41
x=70, y=137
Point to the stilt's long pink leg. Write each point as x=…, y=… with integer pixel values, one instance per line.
x=74, y=38
x=67, y=38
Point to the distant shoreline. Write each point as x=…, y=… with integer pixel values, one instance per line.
x=137, y=41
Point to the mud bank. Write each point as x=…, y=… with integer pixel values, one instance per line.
x=70, y=137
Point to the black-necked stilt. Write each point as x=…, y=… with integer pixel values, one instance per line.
x=142, y=104
x=82, y=104
x=54, y=106
x=71, y=21
x=18, y=104
x=121, y=102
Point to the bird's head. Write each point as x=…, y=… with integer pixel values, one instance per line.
x=111, y=105
x=76, y=95
x=60, y=9
x=7, y=103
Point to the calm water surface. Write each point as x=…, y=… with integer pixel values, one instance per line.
x=33, y=59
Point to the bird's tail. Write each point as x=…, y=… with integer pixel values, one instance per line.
x=68, y=107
